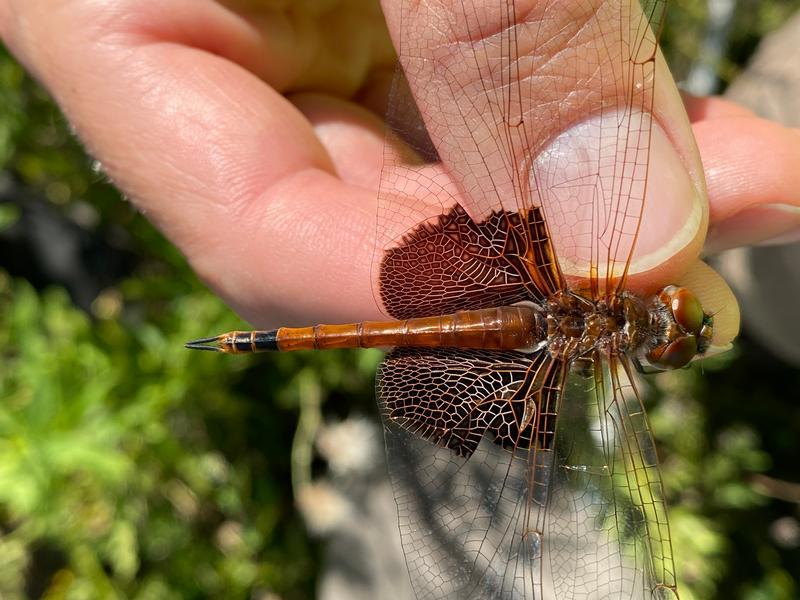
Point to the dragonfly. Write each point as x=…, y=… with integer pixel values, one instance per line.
x=521, y=458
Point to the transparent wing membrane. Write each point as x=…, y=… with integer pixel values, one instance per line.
x=607, y=522
x=569, y=507
x=504, y=106
x=516, y=168
x=469, y=437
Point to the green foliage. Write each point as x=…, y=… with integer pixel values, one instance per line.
x=131, y=462
x=712, y=455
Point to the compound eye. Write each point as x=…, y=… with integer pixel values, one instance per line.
x=687, y=310
x=674, y=355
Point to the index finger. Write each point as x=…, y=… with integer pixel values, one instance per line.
x=163, y=93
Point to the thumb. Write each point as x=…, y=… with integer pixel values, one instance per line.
x=564, y=105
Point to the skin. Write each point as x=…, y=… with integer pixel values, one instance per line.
x=245, y=134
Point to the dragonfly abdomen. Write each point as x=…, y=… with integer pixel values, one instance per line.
x=519, y=327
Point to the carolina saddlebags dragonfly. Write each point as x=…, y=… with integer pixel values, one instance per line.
x=519, y=450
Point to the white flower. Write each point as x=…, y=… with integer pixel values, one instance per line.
x=350, y=446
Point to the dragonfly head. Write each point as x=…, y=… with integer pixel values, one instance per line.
x=684, y=329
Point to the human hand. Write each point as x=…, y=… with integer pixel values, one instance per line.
x=752, y=169
x=195, y=112
x=271, y=197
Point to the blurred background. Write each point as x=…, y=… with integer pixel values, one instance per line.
x=131, y=468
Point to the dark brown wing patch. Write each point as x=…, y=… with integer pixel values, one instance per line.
x=454, y=397
x=455, y=264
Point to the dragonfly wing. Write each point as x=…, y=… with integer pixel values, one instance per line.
x=606, y=515
x=467, y=436
x=454, y=263
x=511, y=106
x=561, y=500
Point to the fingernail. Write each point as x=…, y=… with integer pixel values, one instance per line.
x=599, y=181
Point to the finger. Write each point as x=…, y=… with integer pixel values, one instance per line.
x=228, y=168
x=752, y=200
x=704, y=108
x=324, y=47
x=206, y=26
x=486, y=113
x=351, y=135
x=753, y=175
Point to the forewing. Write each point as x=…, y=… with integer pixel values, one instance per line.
x=515, y=107
x=606, y=517
x=468, y=436
x=454, y=263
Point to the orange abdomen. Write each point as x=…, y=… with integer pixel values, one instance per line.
x=506, y=328
x=518, y=327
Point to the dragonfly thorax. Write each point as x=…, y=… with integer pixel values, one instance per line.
x=577, y=326
x=664, y=332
